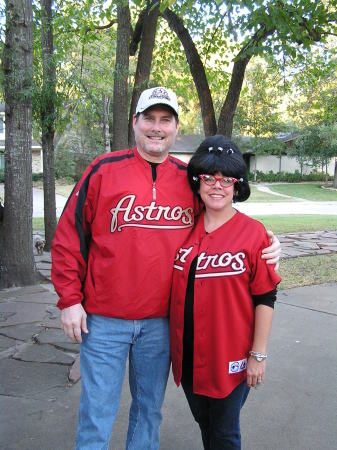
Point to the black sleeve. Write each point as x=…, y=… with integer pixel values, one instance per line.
x=267, y=299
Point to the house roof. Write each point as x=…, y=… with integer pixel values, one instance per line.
x=186, y=143
x=288, y=137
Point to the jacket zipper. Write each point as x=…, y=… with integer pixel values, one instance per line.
x=154, y=194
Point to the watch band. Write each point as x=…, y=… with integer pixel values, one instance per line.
x=259, y=356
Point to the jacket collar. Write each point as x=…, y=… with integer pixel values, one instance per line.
x=146, y=163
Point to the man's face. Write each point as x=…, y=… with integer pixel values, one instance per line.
x=155, y=132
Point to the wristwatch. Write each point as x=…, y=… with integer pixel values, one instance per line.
x=258, y=356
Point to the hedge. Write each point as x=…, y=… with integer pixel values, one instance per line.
x=288, y=177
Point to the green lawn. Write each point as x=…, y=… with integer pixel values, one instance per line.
x=279, y=224
x=257, y=196
x=308, y=191
x=60, y=187
x=291, y=223
x=64, y=189
x=307, y=270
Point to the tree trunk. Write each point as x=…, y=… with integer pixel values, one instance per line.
x=335, y=175
x=106, y=128
x=142, y=75
x=17, y=265
x=120, y=100
x=197, y=72
x=47, y=107
x=226, y=118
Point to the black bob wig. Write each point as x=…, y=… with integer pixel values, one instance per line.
x=219, y=154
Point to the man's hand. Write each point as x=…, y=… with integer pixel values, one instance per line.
x=73, y=320
x=273, y=252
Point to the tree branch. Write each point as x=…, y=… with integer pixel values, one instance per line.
x=101, y=27
x=215, y=30
x=197, y=71
x=225, y=123
x=137, y=33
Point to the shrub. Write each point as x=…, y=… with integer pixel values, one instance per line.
x=64, y=164
x=37, y=176
x=287, y=177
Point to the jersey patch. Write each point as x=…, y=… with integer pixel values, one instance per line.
x=237, y=366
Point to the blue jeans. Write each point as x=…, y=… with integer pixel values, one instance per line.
x=218, y=418
x=104, y=352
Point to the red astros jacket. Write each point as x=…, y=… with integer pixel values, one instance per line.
x=117, y=237
x=229, y=271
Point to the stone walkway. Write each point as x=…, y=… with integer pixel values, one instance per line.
x=308, y=244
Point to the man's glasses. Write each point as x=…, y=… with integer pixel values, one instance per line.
x=210, y=180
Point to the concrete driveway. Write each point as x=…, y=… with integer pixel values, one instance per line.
x=38, y=209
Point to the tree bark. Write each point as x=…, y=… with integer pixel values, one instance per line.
x=17, y=265
x=335, y=175
x=106, y=128
x=47, y=107
x=120, y=100
x=197, y=72
x=148, y=36
x=226, y=118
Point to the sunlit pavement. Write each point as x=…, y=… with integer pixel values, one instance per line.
x=280, y=208
x=295, y=408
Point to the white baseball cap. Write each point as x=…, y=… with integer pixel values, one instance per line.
x=157, y=96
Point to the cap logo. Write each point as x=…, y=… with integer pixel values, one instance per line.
x=160, y=93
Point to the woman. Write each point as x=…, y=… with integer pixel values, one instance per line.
x=222, y=298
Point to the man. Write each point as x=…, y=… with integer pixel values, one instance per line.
x=113, y=253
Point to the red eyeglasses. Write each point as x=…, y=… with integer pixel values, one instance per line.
x=210, y=180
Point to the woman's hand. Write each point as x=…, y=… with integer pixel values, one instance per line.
x=255, y=372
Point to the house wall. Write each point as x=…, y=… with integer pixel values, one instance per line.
x=2, y=126
x=37, y=161
x=265, y=163
x=2, y=138
x=182, y=156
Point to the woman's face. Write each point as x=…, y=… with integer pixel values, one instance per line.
x=216, y=197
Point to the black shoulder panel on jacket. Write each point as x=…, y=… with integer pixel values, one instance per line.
x=180, y=166
x=82, y=195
